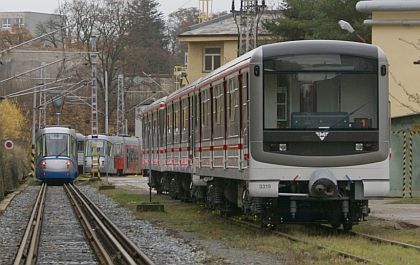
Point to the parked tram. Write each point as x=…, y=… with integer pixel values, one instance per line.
x=56, y=154
x=116, y=155
x=292, y=132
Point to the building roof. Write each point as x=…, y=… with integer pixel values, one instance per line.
x=388, y=5
x=224, y=26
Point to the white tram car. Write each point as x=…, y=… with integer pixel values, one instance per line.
x=293, y=132
x=117, y=155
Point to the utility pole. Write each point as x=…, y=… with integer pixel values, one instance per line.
x=42, y=99
x=120, y=106
x=94, y=107
x=247, y=19
x=106, y=104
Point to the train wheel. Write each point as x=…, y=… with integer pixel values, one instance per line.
x=173, y=190
x=347, y=226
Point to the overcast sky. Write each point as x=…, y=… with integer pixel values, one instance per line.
x=166, y=6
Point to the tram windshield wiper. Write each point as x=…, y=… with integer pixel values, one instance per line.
x=327, y=129
x=62, y=152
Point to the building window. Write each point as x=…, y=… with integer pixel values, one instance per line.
x=212, y=59
x=6, y=23
x=19, y=22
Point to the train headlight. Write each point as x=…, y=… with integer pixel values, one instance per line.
x=68, y=163
x=283, y=147
x=358, y=147
x=43, y=164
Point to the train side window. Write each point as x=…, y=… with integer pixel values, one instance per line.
x=169, y=115
x=177, y=113
x=218, y=111
x=206, y=113
x=39, y=146
x=233, y=106
x=185, y=119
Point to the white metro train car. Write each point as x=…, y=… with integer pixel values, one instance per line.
x=292, y=132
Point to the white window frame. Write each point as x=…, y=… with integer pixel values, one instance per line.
x=20, y=23
x=8, y=25
x=212, y=55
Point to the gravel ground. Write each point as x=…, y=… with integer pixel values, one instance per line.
x=13, y=223
x=157, y=243
x=216, y=249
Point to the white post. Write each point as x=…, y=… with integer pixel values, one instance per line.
x=106, y=103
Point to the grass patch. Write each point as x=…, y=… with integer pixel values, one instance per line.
x=207, y=225
x=414, y=200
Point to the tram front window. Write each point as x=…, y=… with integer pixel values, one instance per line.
x=312, y=92
x=95, y=147
x=56, y=144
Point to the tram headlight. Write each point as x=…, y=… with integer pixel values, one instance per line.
x=68, y=163
x=358, y=147
x=283, y=147
x=43, y=164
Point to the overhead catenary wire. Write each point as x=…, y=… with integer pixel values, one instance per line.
x=17, y=94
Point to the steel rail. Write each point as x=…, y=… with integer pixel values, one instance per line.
x=125, y=241
x=371, y=237
x=30, y=239
x=94, y=241
x=319, y=246
x=383, y=240
x=115, y=239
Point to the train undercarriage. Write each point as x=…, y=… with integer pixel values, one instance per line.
x=344, y=207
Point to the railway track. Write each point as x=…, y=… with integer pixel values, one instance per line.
x=54, y=235
x=28, y=248
x=308, y=242
x=371, y=237
x=110, y=244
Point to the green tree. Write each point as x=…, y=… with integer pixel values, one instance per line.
x=318, y=19
x=147, y=42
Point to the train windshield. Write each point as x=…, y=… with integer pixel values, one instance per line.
x=56, y=144
x=320, y=91
x=96, y=147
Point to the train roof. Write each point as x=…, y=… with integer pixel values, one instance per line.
x=320, y=47
x=114, y=139
x=275, y=49
x=53, y=129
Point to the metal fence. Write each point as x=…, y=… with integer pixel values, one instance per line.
x=405, y=163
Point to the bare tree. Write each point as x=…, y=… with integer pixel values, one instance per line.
x=108, y=20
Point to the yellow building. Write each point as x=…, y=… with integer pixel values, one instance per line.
x=212, y=44
x=396, y=29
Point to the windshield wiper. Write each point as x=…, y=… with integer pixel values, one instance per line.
x=65, y=149
x=345, y=117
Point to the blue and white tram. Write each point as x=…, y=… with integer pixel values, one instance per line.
x=293, y=132
x=56, y=154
